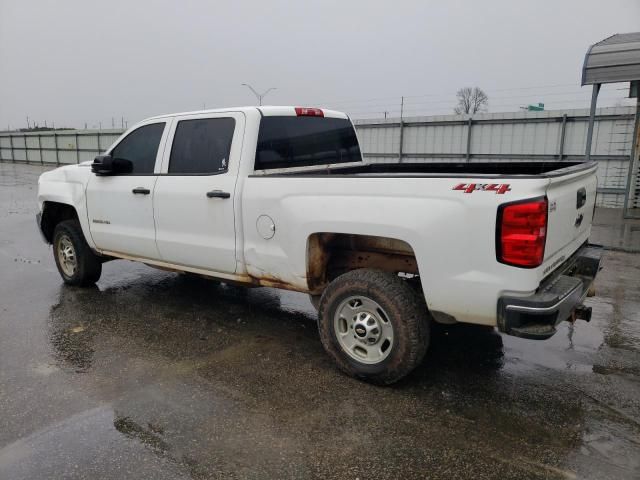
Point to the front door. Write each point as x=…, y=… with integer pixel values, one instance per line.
x=120, y=207
x=195, y=194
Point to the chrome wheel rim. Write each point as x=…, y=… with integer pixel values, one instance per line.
x=363, y=329
x=67, y=256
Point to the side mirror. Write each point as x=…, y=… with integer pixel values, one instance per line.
x=102, y=165
x=105, y=165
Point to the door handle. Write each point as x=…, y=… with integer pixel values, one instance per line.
x=218, y=194
x=141, y=190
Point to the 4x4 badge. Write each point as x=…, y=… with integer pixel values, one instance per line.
x=499, y=188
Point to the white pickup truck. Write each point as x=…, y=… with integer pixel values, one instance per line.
x=280, y=197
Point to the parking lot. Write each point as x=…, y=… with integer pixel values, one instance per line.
x=156, y=375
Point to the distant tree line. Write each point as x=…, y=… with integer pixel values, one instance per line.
x=43, y=129
x=36, y=129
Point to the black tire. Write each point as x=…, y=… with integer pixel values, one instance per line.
x=88, y=266
x=404, y=308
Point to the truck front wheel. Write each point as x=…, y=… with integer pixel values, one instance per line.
x=374, y=325
x=76, y=263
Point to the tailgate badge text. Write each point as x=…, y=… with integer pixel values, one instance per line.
x=499, y=188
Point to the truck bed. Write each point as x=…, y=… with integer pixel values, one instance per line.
x=441, y=169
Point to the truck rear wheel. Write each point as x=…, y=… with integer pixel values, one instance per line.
x=76, y=263
x=374, y=325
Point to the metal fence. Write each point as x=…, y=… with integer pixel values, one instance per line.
x=515, y=136
x=59, y=147
x=495, y=137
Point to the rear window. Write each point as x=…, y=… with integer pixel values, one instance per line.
x=303, y=141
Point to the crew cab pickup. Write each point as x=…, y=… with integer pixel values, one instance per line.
x=281, y=197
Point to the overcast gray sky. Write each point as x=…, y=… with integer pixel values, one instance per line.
x=80, y=61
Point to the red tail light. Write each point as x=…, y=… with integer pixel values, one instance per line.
x=309, y=112
x=522, y=233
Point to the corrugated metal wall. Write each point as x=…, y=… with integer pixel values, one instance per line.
x=494, y=137
x=515, y=136
x=60, y=147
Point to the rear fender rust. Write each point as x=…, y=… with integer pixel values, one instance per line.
x=317, y=257
x=275, y=282
x=331, y=254
x=248, y=281
x=264, y=279
x=344, y=260
x=375, y=244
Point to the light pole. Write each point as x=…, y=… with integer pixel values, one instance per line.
x=259, y=96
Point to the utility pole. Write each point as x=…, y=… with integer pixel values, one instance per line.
x=401, y=129
x=28, y=125
x=258, y=95
x=385, y=115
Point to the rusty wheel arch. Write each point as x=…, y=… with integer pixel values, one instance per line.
x=332, y=254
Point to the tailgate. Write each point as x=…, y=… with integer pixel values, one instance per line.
x=571, y=199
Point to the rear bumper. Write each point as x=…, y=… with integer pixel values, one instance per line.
x=557, y=299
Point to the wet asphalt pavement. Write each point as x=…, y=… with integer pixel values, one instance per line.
x=154, y=375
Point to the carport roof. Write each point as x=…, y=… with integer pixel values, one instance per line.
x=614, y=59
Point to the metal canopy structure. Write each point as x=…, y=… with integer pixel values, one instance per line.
x=612, y=60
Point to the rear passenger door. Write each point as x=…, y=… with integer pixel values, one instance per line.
x=194, y=196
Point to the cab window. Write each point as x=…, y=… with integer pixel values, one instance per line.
x=140, y=147
x=201, y=146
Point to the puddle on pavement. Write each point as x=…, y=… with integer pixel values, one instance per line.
x=150, y=436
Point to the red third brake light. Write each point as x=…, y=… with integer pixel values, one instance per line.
x=522, y=233
x=309, y=112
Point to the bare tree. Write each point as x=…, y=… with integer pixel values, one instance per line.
x=471, y=100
